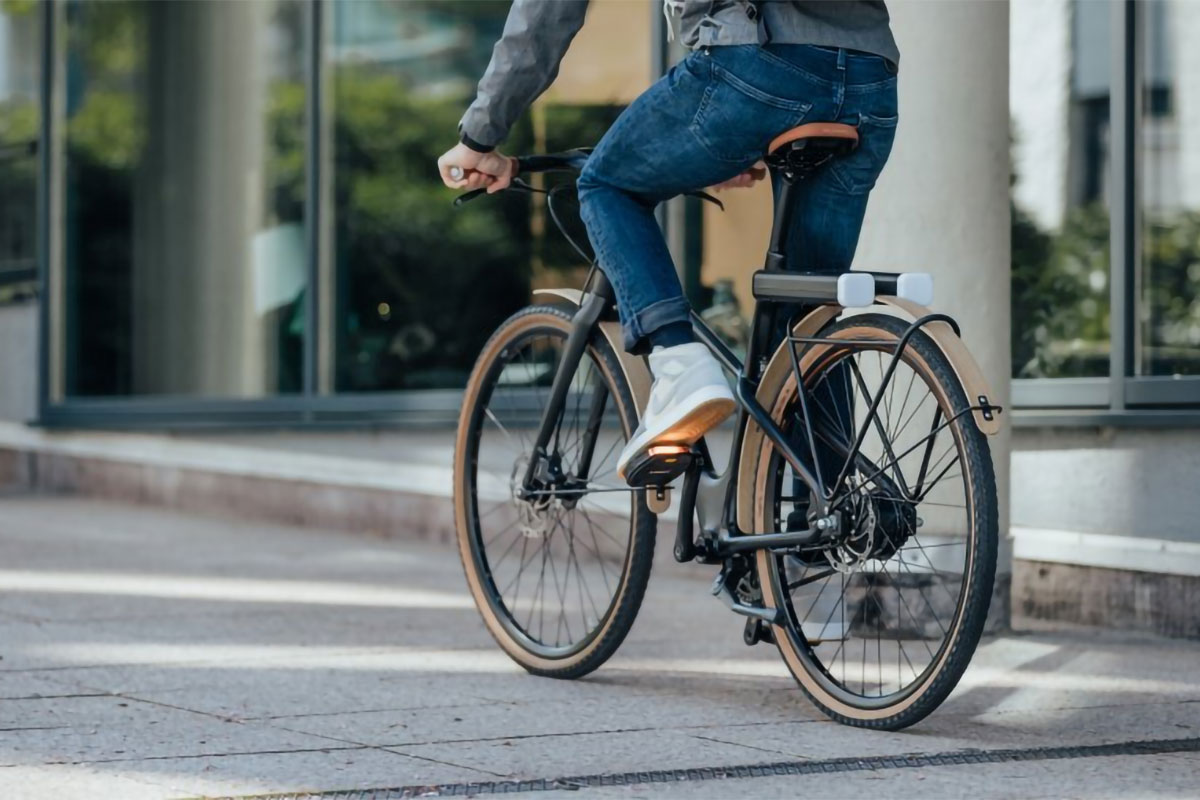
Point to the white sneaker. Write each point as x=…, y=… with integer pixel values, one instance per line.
x=688, y=398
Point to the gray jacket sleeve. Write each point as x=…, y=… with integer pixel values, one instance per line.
x=524, y=63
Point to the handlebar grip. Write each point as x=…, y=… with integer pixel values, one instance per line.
x=456, y=173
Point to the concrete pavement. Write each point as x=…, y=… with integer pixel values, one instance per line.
x=149, y=654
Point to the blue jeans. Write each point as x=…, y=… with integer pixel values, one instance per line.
x=705, y=121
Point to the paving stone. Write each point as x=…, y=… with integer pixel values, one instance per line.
x=89, y=729
x=584, y=753
x=353, y=662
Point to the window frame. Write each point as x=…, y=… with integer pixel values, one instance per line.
x=317, y=404
x=1120, y=399
x=1123, y=398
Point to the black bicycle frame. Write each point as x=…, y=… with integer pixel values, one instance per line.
x=776, y=290
x=598, y=299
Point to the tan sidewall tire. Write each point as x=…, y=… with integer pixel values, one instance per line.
x=756, y=460
x=634, y=572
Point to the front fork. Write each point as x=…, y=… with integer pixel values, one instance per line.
x=591, y=309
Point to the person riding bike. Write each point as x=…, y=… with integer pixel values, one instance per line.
x=756, y=70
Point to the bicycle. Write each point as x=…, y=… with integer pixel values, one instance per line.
x=858, y=466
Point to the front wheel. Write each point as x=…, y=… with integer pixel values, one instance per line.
x=558, y=573
x=880, y=624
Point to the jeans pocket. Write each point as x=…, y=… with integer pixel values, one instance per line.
x=736, y=121
x=858, y=172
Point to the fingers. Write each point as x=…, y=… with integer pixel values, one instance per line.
x=499, y=183
x=462, y=168
x=505, y=171
x=744, y=179
x=738, y=181
x=477, y=180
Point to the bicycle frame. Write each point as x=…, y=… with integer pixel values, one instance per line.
x=706, y=493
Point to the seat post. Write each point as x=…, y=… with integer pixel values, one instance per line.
x=762, y=328
x=777, y=249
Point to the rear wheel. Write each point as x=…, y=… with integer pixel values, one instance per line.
x=558, y=574
x=880, y=625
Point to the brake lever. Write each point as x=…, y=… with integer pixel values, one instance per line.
x=468, y=196
x=517, y=183
x=708, y=197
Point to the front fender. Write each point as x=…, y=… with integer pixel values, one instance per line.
x=635, y=369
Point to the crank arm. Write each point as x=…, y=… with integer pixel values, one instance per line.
x=722, y=592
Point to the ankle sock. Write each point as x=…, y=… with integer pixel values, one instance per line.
x=672, y=334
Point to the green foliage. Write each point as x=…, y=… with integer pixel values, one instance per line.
x=18, y=8
x=425, y=283
x=1060, y=295
x=109, y=41
x=19, y=118
x=18, y=121
x=108, y=130
x=419, y=285
x=1171, y=310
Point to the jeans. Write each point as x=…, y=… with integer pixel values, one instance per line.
x=709, y=118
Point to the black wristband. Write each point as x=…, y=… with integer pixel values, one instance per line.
x=474, y=145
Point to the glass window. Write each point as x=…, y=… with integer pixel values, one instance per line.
x=19, y=121
x=1059, y=100
x=184, y=228
x=417, y=286
x=1169, y=311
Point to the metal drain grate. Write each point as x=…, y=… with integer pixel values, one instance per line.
x=779, y=768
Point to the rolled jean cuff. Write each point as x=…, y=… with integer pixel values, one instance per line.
x=650, y=319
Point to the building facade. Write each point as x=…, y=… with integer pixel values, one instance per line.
x=226, y=213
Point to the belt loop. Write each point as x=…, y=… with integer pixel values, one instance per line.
x=841, y=59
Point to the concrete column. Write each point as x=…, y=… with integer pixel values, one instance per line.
x=942, y=204
x=199, y=203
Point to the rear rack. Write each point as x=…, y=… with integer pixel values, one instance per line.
x=810, y=287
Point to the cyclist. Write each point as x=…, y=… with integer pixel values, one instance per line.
x=756, y=70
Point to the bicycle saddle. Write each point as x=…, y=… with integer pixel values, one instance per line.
x=806, y=147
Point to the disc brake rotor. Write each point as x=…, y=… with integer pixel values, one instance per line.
x=533, y=515
x=859, y=545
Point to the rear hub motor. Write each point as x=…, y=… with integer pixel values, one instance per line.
x=878, y=524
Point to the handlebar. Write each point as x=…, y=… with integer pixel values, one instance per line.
x=566, y=161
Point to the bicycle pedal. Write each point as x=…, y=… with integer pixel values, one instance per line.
x=660, y=465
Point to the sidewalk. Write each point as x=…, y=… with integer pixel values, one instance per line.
x=149, y=654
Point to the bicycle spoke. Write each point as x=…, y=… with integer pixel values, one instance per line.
x=887, y=597
x=560, y=602
x=500, y=533
x=520, y=572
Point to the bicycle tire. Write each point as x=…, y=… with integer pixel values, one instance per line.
x=602, y=641
x=934, y=686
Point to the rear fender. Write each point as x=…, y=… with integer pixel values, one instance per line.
x=975, y=386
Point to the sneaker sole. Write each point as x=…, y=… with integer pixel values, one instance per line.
x=699, y=420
